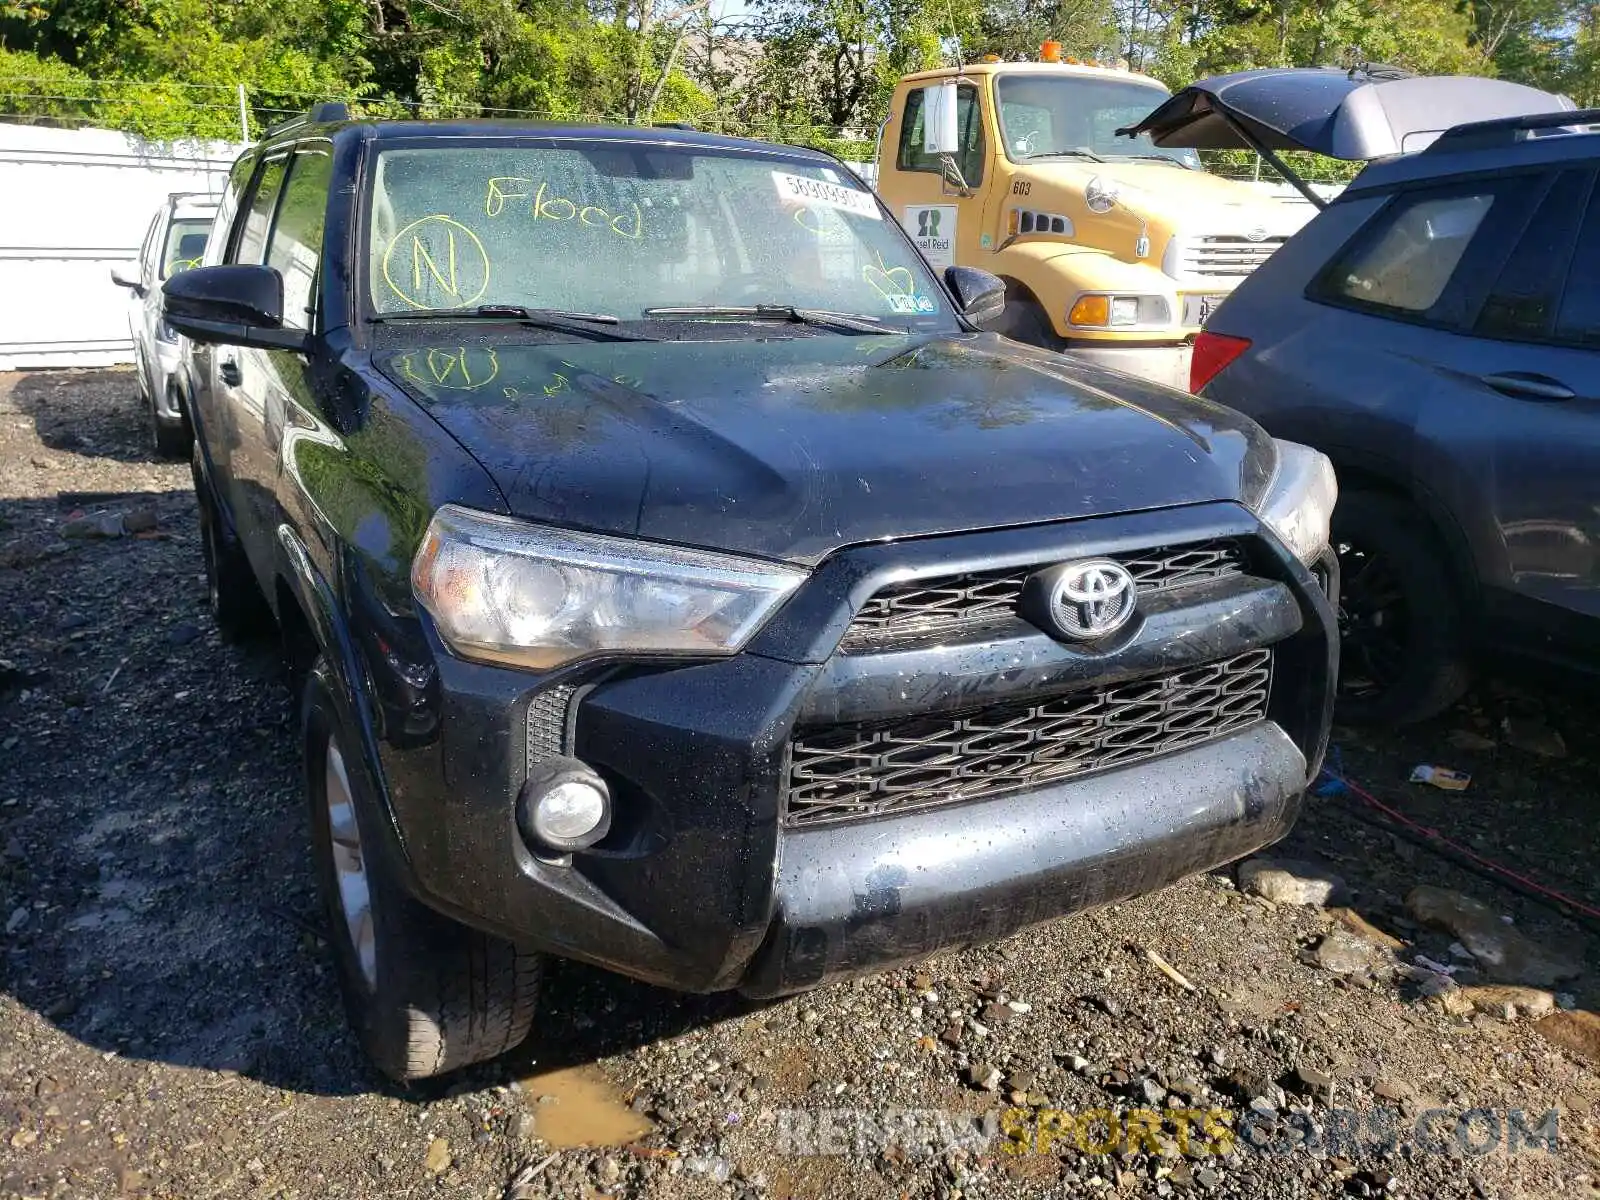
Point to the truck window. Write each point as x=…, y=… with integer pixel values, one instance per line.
x=969, y=119
x=1063, y=114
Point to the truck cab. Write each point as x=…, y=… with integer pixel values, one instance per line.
x=1110, y=246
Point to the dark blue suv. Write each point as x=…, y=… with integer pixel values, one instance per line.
x=681, y=582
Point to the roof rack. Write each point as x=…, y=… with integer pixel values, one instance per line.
x=328, y=110
x=1507, y=131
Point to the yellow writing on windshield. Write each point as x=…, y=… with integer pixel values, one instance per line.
x=549, y=205
x=461, y=369
x=436, y=262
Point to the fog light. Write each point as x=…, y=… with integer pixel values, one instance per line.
x=563, y=806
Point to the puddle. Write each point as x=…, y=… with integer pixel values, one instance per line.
x=581, y=1108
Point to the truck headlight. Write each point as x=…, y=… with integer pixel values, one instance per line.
x=1096, y=311
x=1298, y=504
x=166, y=333
x=1101, y=195
x=508, y=591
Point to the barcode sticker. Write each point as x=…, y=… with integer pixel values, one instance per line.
x=802, y=189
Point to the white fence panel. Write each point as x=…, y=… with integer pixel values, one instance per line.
x=73, y=204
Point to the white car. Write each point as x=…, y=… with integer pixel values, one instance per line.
x=175, y=241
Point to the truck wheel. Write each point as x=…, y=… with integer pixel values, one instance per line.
x=425, y=994
x=235, y=600
x=1024, y=320
x=1402, y=655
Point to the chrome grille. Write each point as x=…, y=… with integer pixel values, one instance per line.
x=954, y=606
x=547, y=723
x=1225, y=256
x=860, y=770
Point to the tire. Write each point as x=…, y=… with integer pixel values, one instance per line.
x=237, y=606
x=425, y=994
x=1024, y=320
x=1401, y=618
x=170, y=441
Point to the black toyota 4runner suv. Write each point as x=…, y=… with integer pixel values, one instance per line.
x=682, y=583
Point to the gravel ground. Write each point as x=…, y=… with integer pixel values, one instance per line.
x=169, y=1025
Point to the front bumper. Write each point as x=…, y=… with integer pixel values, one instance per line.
x=168, y=355
x=705, y=881
x=1166, y=363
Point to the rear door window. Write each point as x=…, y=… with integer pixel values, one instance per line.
x=1578, y=319
x=1522, y=303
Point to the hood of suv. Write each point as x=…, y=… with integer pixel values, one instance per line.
x=793, y=447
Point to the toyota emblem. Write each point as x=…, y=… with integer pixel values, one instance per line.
x=1258, y=234
x=1092, y=599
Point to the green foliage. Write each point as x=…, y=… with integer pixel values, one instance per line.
x=817, y=72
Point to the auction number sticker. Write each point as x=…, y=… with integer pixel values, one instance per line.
x=802, y=189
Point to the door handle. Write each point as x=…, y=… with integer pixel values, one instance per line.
x=231, y=375
x=1527, y=385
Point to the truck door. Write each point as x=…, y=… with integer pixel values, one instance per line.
x=945, y=224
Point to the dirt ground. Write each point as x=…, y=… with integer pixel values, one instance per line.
x=169, y=1025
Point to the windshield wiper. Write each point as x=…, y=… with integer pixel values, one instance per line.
x=821, y=318
x=589, y=325
x=1089, y=154
x=1161, y=158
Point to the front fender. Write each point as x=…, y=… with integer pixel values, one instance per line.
x=330, y=632
x=1057, y=273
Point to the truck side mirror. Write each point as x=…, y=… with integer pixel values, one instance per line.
x=940, y=131
x=981, y=295
x=122, y=281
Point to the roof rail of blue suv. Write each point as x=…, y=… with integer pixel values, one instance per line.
x=1508, y=131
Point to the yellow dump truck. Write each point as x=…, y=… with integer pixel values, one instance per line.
x=1110, y=246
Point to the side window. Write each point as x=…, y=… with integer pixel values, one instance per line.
x=252, y=245
x=1578, y=319
x=1404, y=260
x=969, y=120
x=295, y=246
x=1522, y=303
x=238, y=180
x=147, y=264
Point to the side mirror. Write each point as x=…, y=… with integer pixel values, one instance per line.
x=133, y=285
x=981, y=295
x=234, y=305
x=940, y=131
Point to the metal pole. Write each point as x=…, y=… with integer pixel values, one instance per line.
x=244, y=116
x=1267, y=152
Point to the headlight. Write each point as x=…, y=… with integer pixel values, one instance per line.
x=1298, y=504
x=1097, y=311
x=166, y=333
x=1101, y=194
x=503, y=590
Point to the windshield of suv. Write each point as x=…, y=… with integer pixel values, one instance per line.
x=1070, y=115
x=619, y=229
x=186, y=244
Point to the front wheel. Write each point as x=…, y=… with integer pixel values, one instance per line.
x=425, y=994
x=1401, y=623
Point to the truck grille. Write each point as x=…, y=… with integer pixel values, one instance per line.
x=953, y=606
x=1225, y=256
x=861, y=770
